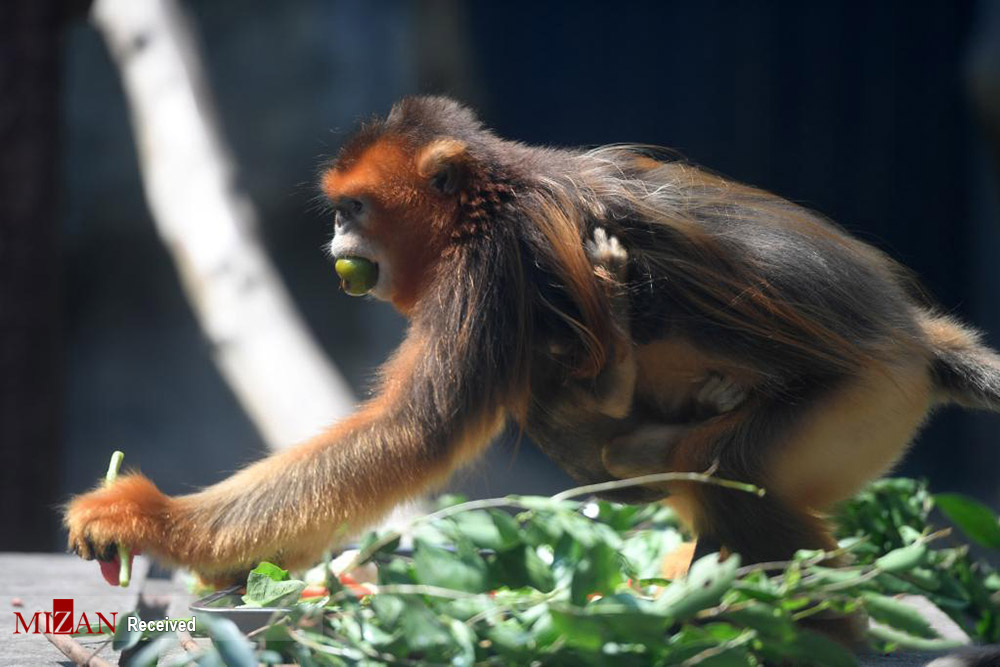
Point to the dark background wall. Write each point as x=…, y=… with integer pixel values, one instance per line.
x=857, y=109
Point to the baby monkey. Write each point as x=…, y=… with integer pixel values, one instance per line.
x=644, y=444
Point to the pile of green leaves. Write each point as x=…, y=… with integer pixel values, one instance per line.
x=527, y=580
x=893, y=513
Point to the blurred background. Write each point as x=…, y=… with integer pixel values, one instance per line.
x=883, y=116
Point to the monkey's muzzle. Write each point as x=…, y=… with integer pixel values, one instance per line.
x=358, y=275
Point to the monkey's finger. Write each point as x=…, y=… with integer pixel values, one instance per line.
x=615, y=246
x=85, y=548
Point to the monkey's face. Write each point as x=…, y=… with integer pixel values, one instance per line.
x=393, y=205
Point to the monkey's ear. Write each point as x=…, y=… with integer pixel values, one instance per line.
x=445, y=163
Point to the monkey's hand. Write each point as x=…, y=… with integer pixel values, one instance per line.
x=606, y=253
x=131, y=511
x=719, y=394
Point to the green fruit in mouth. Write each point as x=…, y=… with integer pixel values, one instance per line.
x=357, y=275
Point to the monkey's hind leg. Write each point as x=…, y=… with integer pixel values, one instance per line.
x=760, y=529
x=770, y=529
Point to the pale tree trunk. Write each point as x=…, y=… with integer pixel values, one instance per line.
x=260, y=343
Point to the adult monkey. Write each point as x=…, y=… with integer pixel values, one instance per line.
x=715, y=285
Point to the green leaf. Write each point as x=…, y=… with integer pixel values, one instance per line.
x=465, y=642
x=449, y=500
x=396, y=571
x=903, y=559
x=758, y=586
x=767, y=620
x=896, y=585
x=507, y=526
x=581, y=631
x=597, y=573
x=892, y=612
x=703, y=587
x=733, y=656
x=269, y=586
x=125, y=638
x=976, y=520
x=271, y=571
x=487, y=530
x=435, y=566
x=688, y=643
x=510, y=639
x=811, y=648
x=267, y=593
x=234, y=649
x=477, y=526
x=840, y=577
x=909, y=534
x=927, y=579
x=149, y=654
x=519, y=568
x=465, y=608
x=421, y=628
x=387, y=608
x=905, y=640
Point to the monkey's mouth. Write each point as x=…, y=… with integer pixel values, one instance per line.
x=358, y=275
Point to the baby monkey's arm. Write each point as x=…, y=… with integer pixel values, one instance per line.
x=612, y=390
x=643, y=450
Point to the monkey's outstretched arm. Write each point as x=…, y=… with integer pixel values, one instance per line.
x=291, y=506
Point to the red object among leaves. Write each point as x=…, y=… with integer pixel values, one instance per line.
x=353, y=585
x=110, y=569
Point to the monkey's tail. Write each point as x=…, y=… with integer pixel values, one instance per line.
x=965, y=371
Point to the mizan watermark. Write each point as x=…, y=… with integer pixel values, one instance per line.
x=62, y=621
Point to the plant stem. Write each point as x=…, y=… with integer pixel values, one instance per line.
x=124, y=554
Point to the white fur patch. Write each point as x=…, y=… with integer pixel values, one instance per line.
x=351, y=244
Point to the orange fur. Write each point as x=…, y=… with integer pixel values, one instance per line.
x=860, y=432
x=131, y=510
x=676, y=563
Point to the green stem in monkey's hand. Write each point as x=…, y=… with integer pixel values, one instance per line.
x=124, y=555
